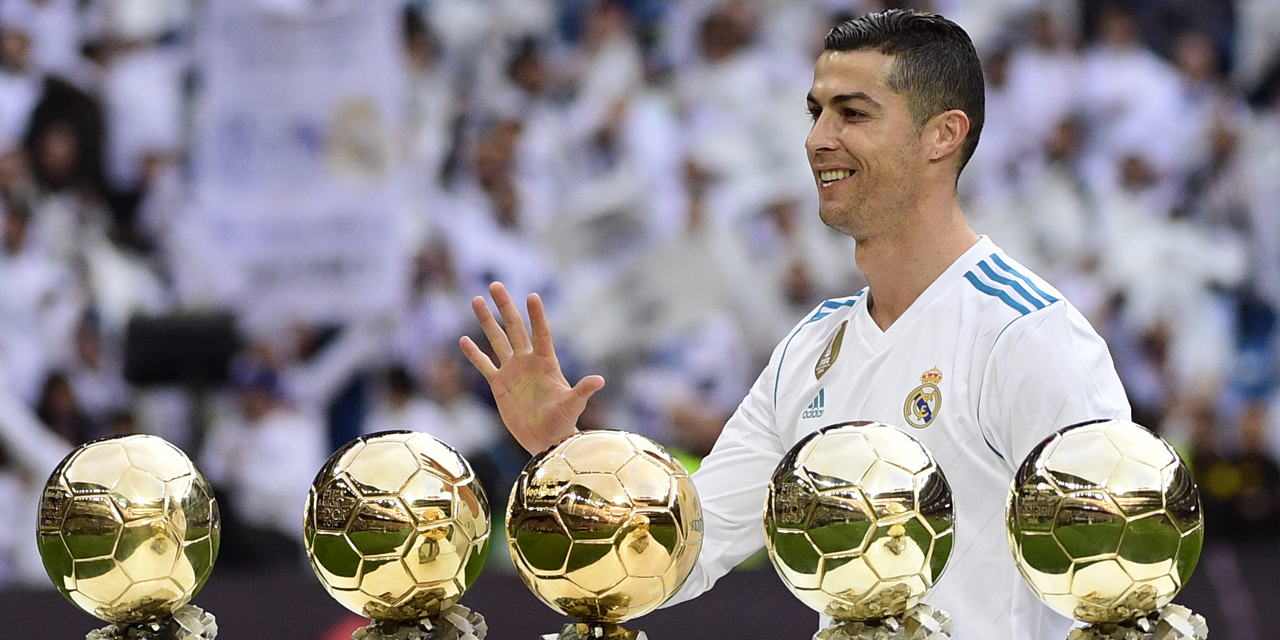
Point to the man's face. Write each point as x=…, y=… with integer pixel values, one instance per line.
x=865, y=154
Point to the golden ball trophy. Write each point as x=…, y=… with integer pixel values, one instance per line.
x=128, y=532
x=604, y=527
x=1105, y=524
x=397, y=529
x=859, y=523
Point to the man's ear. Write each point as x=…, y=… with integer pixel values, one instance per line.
x=945, y=133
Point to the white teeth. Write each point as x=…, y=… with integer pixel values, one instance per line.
x=834, y=174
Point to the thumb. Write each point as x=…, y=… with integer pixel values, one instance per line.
x=576, y=402
x=586, y=388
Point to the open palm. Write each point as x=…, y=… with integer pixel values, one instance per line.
x=537, y=403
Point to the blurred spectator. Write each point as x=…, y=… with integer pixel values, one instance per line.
x=806, y=262
x=29, y=452
x=466, y=420
x=142, y=89
x=515, y=90
x=19, y=79
x=449, y=412
x=261, y=458
x=1208, y=105
x=1260, y=158
x=1044, y=80
x=403, y=408
x=452, y=412
x=121, y=423
x=1128, y=93
x=432, y=105
x=685, y=392
x=486, y=224
x=437, y=310
x=606, y=69
x=996, y=162
x=726, y=122
x=64, y=147
x=55, y=31
x=60, y=409
x=1257, y=46
x=1241, y=492
x=96, y=375
x=37, y=311
x=1170, y=275
x=323, y=369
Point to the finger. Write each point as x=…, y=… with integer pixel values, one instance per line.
x=576, y=403
x=479, y=359
x=497, y=337
x=542, y=344
x=511, y=319
x=586, y=388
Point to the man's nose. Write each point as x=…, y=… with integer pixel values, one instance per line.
x=821, y=136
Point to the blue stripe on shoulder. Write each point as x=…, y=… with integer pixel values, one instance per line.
x=992, y=448
x=1001, y=263
x=823, y=311
x=1026, y=295
x=984, y=288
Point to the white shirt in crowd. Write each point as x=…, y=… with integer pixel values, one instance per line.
x=1010, y=362
x=269, y=466
x=33, y=451
x=466, y=423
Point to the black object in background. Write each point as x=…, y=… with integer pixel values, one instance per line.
x=192, y=350
x=181, y=349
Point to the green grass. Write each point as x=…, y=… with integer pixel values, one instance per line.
x=543, y=551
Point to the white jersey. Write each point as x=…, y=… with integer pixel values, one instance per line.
x=986, y=363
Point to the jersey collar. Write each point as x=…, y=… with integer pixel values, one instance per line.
x=877, y=339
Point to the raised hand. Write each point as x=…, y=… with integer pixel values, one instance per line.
x=535, y=400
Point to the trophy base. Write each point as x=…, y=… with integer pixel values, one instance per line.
x=455, y=623
x=187, y=623
x=594, y=631
x=1171, y=622
x=921, y=622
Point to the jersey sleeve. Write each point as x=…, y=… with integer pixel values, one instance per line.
x=1047, y=370
x=731, y=486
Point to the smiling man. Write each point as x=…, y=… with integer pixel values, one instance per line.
x=953, y=340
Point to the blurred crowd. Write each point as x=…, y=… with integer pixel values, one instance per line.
x=640, y=164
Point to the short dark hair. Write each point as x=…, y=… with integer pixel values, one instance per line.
x=400, y=381
x=937, y=68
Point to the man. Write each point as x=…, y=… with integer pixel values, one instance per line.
x=953, y=341
x=261, y=459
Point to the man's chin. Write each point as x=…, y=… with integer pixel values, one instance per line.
x=836, y=218
x=829, y=214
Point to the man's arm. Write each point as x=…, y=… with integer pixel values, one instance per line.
x=1047, y=370
x=536, y=402
x=734, y=479
x=732, y=484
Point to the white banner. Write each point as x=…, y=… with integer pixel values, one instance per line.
x=295, y=169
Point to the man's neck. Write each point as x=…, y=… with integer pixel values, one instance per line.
x=900, y=265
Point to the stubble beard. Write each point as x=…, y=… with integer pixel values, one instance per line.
x=848, y=218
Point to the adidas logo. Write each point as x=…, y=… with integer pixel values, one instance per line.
x=816, y=407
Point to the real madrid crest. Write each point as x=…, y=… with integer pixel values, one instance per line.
x=925, y=401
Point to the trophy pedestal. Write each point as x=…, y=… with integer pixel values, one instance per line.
x=594, y=631
x=1171, y=622
x=455, y=623
x=921, y=622
x=187, y=623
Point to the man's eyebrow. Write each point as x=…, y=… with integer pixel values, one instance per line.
x=842, y=98
x=850, y=97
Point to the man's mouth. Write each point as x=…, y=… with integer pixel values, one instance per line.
x=833, y=175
